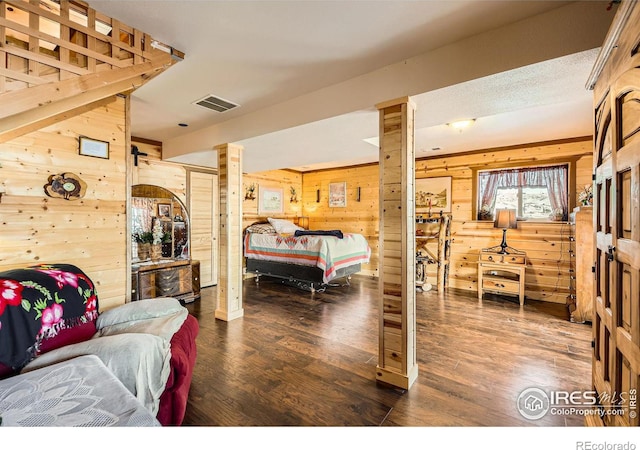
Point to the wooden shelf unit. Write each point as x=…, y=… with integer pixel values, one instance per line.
x=433, y=231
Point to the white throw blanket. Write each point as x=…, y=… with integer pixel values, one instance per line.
x=133, y=341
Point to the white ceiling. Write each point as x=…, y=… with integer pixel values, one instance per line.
x=268, y=54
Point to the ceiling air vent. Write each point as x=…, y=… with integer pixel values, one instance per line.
x=215, y=103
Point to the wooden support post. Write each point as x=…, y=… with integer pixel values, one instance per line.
x=3, y=55
x=397, y=363
x=229, y=305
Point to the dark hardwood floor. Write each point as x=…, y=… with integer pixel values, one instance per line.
x=303, y=359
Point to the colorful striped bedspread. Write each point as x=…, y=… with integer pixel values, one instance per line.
x=329, y=253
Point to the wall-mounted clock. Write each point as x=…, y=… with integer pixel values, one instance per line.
x=65, y=185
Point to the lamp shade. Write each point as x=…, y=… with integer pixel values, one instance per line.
x=505, y=219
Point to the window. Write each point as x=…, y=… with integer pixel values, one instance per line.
x=534, y=192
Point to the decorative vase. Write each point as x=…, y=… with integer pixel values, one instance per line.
x=144, y=250
x=166, y=249
x=156, y=252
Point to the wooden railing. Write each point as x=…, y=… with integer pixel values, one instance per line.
x=43, y=41
x=60, y=56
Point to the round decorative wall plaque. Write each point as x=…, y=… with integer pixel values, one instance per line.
x=65, y=185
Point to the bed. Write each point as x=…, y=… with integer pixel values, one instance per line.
x=308, y=259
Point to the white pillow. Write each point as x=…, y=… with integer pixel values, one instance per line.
x=283, y=226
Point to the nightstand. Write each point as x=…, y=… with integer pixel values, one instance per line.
x=502, y=273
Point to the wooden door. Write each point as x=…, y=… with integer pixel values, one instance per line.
x=204, y=217
x=616, y=325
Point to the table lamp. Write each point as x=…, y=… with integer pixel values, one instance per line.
x=505, y=219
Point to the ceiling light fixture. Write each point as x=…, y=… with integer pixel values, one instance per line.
x=461, y=124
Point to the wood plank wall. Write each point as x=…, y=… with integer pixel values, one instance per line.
x=284, y=179
x=152, y=170
x=546, y=244
x=357, y=217
x=89, y=232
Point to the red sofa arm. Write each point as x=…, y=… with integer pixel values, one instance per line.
x=173, y=402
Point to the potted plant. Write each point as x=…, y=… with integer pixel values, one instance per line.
x=144, y=240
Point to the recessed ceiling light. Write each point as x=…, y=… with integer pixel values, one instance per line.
x=461, y=124
x=183, y=124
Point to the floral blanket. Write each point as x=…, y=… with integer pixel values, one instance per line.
x=39, y=303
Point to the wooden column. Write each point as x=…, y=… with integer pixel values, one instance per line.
x=229, y=305
x=397, y=286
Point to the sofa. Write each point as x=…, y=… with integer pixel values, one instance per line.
x=49, y=315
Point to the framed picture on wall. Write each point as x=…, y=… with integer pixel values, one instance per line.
x=270, y=200
x=164, y=211
x=338, y=195
x=93, y=147
x=433, y=195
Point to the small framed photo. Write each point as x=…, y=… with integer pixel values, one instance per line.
x=93, y=147
x=164, y=211
x=338, y=195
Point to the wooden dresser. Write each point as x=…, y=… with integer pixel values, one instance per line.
x=178, y=279
x=502, y=274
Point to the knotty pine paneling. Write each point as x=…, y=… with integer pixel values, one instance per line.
x=153, y=149
x=168, y=175
x=284, y=179
x=546, y=243
x=89, y=232
x=357, y=217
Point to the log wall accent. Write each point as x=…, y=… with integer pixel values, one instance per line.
x=231, y=255
x=397, y=362
x=90, y=232
x=546, y=243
